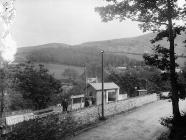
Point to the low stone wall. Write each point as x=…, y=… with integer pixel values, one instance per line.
x=91, y=114
x=86, y=115
x=122, y=106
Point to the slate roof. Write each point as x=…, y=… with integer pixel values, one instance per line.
x=98, y=86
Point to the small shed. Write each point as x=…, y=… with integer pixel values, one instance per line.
x=141, y=92
x=94, y=92
x=77, y=101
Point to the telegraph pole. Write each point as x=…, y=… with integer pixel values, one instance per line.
x=85, y=71
x=103, y=116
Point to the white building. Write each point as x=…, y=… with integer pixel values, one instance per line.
x=111, y=93
x=77, y=101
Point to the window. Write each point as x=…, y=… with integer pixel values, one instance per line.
x=76, y=100
x=111, y=96
x=91, y=93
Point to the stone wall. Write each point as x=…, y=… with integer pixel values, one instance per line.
x=72, y=121
x=125, y=105
x=86, y=115
x=91, y=114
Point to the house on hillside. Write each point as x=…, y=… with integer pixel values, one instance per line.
x=111, y=93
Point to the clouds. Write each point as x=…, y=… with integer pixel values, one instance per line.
x=67, y=21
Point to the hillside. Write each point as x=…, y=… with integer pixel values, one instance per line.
x=138, y=44
x=57, y=69
x=24, y=52
x=78, y=55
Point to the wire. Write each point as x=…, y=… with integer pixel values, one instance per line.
x=123, y=52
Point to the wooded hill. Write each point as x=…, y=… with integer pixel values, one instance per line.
x=125, y=51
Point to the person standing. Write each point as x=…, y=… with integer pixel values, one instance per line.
x=65, y=104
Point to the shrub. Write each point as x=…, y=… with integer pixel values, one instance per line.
x=52, y=127
x=177, y=127
x=164, y=136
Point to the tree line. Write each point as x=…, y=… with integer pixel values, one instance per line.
x=78, y=57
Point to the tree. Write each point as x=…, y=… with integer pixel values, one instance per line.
x=36, y=84
x=126, y=81
x=5, y=84
x=2, y=89
x=152, y=15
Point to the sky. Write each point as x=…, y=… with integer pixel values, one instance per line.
x=65, y=21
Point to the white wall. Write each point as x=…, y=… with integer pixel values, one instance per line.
x=122, y=97
x=99, y=97
x=78, y=106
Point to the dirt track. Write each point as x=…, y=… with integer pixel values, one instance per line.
x=140, y=124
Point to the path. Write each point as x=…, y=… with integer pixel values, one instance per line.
x=140, y=124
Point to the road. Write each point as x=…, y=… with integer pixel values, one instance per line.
x=140, y=124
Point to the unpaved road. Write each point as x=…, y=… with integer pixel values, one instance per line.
x=140, y=124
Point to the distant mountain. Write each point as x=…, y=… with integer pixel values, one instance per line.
x=140, y=44
x=49, y=45
x=132, y=48
x=24, y=52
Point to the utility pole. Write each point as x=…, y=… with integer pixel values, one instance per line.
x=2, y=103
x=103, y=116
x=2, y=78
x=85, y=71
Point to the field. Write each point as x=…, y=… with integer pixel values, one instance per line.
x=58, y=69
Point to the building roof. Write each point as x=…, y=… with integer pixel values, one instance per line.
x=141, y=90
x=98, y=86
x=77, y=96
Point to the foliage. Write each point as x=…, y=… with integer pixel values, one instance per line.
x=53, y=127
x=164, y=136
x=77, y=56
x=142, y=77
x=152, y=15
x=157, y=83
x=12, y=99
x=160, y=58
x=126, y=82
x=15, y=101
x=177, y=127
x=157, y=16
x=182, y=83
x=5, y=85
x=35, y=84
x=77, y=89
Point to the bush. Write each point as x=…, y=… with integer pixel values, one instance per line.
x=164, y=136
x=53, y=127
x=177, y=127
